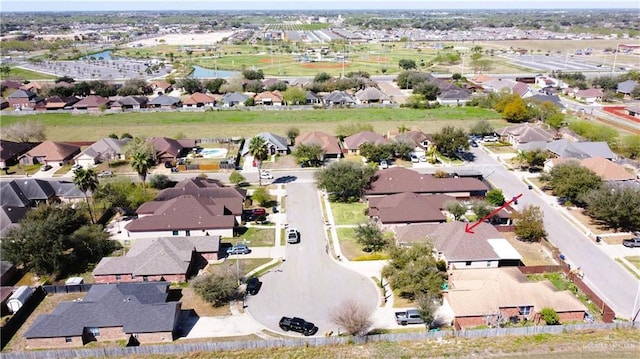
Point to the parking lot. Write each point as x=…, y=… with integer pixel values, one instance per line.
x=98, y=69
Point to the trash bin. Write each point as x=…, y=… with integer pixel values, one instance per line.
x=562, y=256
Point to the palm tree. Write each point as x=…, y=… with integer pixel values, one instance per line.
x=258, y=149
x=141, y=162
x=86, y=180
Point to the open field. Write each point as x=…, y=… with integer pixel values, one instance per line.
x=216, y=124
x=19, y=74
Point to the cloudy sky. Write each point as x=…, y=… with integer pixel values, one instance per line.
x=128, y=5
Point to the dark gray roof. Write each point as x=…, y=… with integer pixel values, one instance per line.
x=231, y=97
x=455, y=94
x=22, y=94
x=554, y=99
x=565, y=148
x=105, y=147
x=339, y=97
x=279, y=142
x=626, y=86
x=137, y=307
x=164, y=100
x=20, y=191
x=10, y=149
x=131, y=101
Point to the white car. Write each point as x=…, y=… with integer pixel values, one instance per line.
x=266, y=175
x=293, y=236
x=384, y=164
x=414, y=159
x=423, y=158
x=76, y=167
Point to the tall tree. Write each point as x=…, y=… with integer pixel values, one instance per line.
x=258, y=149
x=529, y=226
x=413, y=271
x=309, y=155
x=292, y=133
x=614, y=207
x=141, y=162
x=450, y=139
x=345, y=181
x=87, y=180
x=370, y=237
x=572, y=181
x=294, y=96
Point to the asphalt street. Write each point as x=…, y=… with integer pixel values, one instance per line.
x=309, y=284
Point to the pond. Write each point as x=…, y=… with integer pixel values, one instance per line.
x=202, y=73
x=106, y=55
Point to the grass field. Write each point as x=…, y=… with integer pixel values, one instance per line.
x=18, y=74
x=215, y=124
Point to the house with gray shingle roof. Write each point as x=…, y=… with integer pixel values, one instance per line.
x=173, y=259
x=372, y=95
x=106, y=149
x=131, y=312
x=231, y=99
x=164, y=101
x=276, y=145
x=626, y=87
x=131, y=102
x=454, y=96
x=525, y=133
x=312, y=98
x=337, y=98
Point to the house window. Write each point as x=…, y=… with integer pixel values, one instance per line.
x=526, y=311
x=187, y=233
x=68, y=339
x=118, y=277
x=488, y=263
x=175, y=233
x=94, y=331
x=467, y=263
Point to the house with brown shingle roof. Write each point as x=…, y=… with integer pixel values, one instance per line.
x=60, y=103
x=182, y=216
x=92, y=103
x=486, y=247
x=168, y=149
x=49, y=152
x=494, y=296
x=268, y=98
x=398, y=180
x=525, y=133
x=589, y=95
x=230, y=197
x=329, y=144
x=199, y=99
x=352, y=143
x=406, y=208
x=172, y=259
x=607, y=170
x=161, y=87
x=416, y=138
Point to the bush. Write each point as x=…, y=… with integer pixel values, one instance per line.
x=236, y=177
x=550, y=316
x=160, y=182
x=217, y=288
x=260, y=196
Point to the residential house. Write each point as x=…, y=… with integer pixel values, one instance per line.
x=406, y=208
x=568, y=149
x=32, y=86
x=330, y=144
x=4, y=103
x=372, y=95
x=525, y=133
x=172, y=259
x=626, y=87
x=92, y=103
x=312, y=98
x=231, y=197
x=24, y=100
x=398, y=180
x=168, y=149
x=607, y=170
x=49, y=152
x=351, y=144
x=485, y=248
x=60, y=103
x=268, y=98
x=199, y=99
x=136, y=313
x=546, y=82
x=130, y=103
x=301, y=82
x=633, y=111
x=164, y=101
x=10, y=84
x=454, y=97
x=10, y=151
x=338, y=98
x=420, y=141
x=107, y=149
x=231, y=99
x=161, y=87
x=183, y=216
x=522, y=89
x=498, y=85
x=589, y=95
x=276, y=145
x=495, y=296
x=19, y=196
x=553, y=99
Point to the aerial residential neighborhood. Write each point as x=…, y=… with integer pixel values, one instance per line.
x=334, y=181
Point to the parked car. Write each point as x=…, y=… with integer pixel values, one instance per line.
x=105, y=174
x=266, y=175
x=631, y=243
x=76, y=167
x=409, y=316
x=384, y=164
x=414, y=159
x=239, y=249
x=423, y=158
x=259, y=212
x=45, y=168
x=298, y=325
x=473, y=144
x=490, y=138
x=168, y=164
x=253, y=285
x=293, y=236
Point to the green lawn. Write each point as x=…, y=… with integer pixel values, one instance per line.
x=348, y=213
x=76, y=127
x=348, y=245
x=255, y=237
x=245, y=265
x=635, y=260
x=22, y=74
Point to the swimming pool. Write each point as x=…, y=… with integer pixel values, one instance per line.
x=213, y=152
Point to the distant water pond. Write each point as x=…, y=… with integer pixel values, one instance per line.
x=202, y=73
x=106, y=55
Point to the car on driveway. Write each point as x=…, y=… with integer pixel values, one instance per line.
x=76, y=167
x=239, y=249
x=45, y=168
x=266, y=175
x=414, y=159
x=298, y=325
x=105, y=174
x=293, y=236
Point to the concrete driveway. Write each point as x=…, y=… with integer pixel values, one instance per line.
x=309, y=284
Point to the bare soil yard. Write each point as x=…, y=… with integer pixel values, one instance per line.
x=533, y=254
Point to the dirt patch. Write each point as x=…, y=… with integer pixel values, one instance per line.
x=579, y=214
x=265, y=60
x=532, y=254
x=280, y=162
x=316, y=65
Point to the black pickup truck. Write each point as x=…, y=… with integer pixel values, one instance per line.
x=298, y=325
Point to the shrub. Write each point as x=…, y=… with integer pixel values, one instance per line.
x=160, y=182
x=550, y=316
x=217, y=288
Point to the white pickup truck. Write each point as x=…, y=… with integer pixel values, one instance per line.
x=409, y=316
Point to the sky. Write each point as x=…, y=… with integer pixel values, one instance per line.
x=133, y=5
